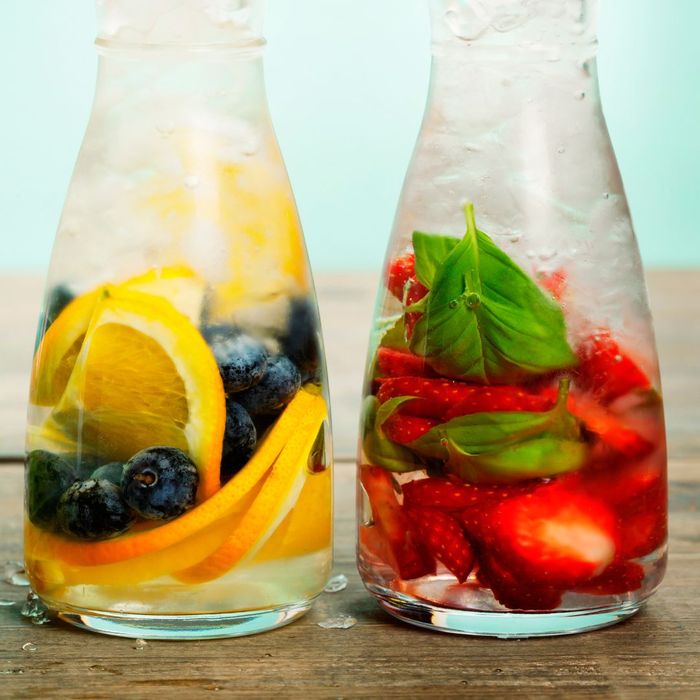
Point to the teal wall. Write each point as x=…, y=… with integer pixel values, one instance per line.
x=347, y=82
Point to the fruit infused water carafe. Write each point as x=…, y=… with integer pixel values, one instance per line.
x=512, y=466
x=178, y=449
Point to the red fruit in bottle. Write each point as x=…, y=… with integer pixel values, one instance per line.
x=606, y=371
x=553, y=536
x=409, y=557
x=446, y=399
x=400, y=271
x=445, y=540
x=618, y=578
x=415, y=291
x=397, y=363
x=450, y=496
x=405, y=429
x=554, y=282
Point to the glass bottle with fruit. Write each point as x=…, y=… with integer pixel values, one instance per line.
x=512, y=466
x=178, y=466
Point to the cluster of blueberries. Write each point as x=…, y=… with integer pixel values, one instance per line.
x=159, y=483
x=258, y=384
x=94, y=502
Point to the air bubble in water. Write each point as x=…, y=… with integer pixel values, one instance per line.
x=561, y=150
x=340, y=622
x=336, y=584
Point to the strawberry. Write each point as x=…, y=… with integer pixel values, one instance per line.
x=613, y=434
x=644, y=524
x=397, y=363
x=552, y=536
x=409, y=557
x=606, y=371
x=554, y=282
x=618, y=578
x=446, y=399
x=448, y=495
x=401, y=270
x=445, y=540
x=405, y=429
x=512, y=591
x=414, y=292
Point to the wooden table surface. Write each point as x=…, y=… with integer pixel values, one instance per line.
x=654, y=655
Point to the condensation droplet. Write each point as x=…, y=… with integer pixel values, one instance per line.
x=561, y=150
x=6, y=603
x=29, y=646
x=548, y=254
x=606, y=195
x=340, y=622
x=336, y=584
x=14, y=574
x=140, y=644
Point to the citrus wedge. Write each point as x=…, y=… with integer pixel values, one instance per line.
x=276, y=499
x=60, y=346
x=42, y=545
x=144, y=376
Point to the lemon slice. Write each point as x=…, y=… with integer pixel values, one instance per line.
x=276, y=499
x=60, y=346
x=144, y=376
x=218, y=511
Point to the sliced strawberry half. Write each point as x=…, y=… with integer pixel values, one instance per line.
x=614, y=435
x=405, y=429
x=446, y=399
x=400, y=271
x=410, y=559
x=606, y=371
x=513, y=591
x=553, y=536
x=618, y=578
x=397, y=363
x=445, y=540
x=447, y=495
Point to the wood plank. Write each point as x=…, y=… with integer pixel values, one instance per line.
x=346, y=301
x=654, y=655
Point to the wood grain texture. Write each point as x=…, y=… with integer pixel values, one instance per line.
x=654, y=655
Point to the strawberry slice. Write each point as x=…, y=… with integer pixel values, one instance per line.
x=446, y=399
x=512, y=591
x=397, y=363
x=445, y=540
x=612, y=432
x=618, y=578
x=448, y=495
x=553, y=536
x=405, y=429
x=401, y=270
x=409, y=557
x=644, y=524
x=606, y=371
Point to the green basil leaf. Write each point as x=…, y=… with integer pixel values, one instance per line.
x=431, y=250
x=392, y=333
x=542, y=457
x=486, y=320
x=378, y=450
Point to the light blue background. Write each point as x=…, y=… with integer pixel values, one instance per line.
x=347, y=81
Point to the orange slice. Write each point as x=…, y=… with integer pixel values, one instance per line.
x=276, y=499
x=42, y=545
x=144, y=376
x=60, y=346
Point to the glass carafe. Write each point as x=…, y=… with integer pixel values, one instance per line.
x=178, y=449
x=512, y=465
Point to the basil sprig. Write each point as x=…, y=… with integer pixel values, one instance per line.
x=485, y=319
x=505, y=447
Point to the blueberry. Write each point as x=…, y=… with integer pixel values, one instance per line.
x=93, y=510
x=110, y=472
x=300, y=341
x=48, y=477
x=242, y=360
x=160, y=483
x=277, y=388
x=240, y=439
